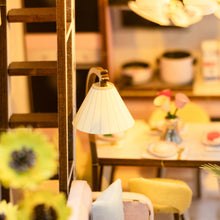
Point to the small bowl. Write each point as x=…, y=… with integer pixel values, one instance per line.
x=139, y=72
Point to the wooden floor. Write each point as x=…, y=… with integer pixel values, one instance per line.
x=207, y=207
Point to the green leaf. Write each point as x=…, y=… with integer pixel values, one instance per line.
x=212, y=168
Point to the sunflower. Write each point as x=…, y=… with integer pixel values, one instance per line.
x=8, y=211
x=26, y=158
x=43, y=205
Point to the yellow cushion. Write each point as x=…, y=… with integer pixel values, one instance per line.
x=83, y=163
x=166, y=195
x=83, y=160
x=191, y=112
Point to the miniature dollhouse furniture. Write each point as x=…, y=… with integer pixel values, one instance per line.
x=167, y=195
x=81, y=200
x=192, y=113
x=63, y=68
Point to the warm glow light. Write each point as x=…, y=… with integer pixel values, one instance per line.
x=206, y=6
x=155, y=11
x=103, y=111
x=182, y=13
x=217, y=11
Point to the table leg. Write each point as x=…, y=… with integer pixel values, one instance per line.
x=198, y=182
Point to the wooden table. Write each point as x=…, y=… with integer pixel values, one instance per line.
x=132, y=150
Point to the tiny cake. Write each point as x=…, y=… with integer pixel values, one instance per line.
x=212, y=138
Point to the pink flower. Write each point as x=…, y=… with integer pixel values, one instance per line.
x=164, y=99
x=166, y=92
x=181, y=100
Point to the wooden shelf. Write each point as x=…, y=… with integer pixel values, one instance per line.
x=150, y=89
x=40, y=68
x=30, y=15
x=34, y=68
x=131, y=93
x=35, y=120
x=146, y=92
x=87, y=66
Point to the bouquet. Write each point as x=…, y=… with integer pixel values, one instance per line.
x=164, y=100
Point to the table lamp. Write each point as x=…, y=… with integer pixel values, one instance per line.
x=102, y=112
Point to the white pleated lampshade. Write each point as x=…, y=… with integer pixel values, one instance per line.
x=103, y=112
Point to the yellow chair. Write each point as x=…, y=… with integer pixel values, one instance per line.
x=167, y=195
x=192, y=113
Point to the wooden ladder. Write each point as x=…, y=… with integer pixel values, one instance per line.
x=63, y=67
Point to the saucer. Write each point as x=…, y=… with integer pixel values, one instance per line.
x=163, y=149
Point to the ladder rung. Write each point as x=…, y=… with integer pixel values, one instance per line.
x=35, y=120
x=32, y=15
x=33, y=68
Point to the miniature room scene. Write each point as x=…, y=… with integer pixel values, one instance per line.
x=110, y=109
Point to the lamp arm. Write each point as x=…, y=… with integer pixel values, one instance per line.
x=96, y=71
x=103, y=78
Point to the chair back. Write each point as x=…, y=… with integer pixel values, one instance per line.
x=166, y=195
x=191, y=112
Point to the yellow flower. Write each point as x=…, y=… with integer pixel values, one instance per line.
x=163, y=102
x=43, y=205
x=8, y=211
x=26, y=158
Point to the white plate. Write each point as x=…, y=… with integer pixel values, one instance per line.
x=163, y=149
x=214, y=142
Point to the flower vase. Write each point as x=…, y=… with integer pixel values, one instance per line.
x=171, y=132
